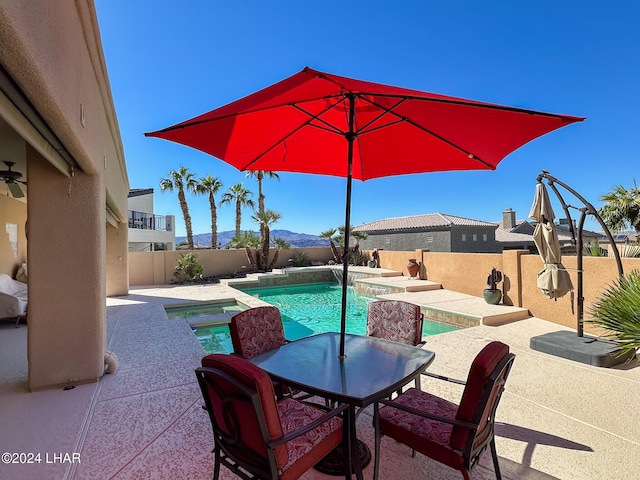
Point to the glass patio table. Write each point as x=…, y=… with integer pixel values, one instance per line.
x=372, y=369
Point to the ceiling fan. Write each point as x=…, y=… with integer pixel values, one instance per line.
x=12, y=179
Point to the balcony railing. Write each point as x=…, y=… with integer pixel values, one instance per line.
x=149, y=221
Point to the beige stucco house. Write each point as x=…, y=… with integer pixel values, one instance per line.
x=58, y=124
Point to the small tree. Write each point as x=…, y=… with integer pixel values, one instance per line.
x=330, y=234
x=280, y=244
x=247, y=240
x=265, y=219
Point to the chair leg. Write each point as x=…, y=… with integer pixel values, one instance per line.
x=494, y=454
x=216, y=464
x=376, y=428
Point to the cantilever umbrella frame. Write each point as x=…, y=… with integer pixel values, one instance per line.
x=387, y=131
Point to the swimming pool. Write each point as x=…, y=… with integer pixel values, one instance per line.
x=306, y=310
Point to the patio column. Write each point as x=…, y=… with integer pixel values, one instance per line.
x=117, y=260
x=66, y=251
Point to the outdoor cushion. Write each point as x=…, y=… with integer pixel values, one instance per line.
x=256, y=330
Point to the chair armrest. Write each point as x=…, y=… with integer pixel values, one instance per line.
x=442, y=377
x=307, y=428
x=420, y=413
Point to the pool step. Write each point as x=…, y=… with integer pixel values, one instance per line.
x=460, y=309
x=395, y=284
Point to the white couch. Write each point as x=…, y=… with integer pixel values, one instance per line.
x=13, y=298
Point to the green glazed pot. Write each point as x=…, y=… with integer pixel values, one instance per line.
x=492, y=297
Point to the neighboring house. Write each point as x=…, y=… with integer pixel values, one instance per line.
x=439, y=232
x=436, y=232
x=148, y=232
x=59, y=127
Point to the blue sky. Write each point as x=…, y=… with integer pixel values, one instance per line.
x=169, y=61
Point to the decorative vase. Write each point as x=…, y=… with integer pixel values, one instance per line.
x=492, y=296
x=413, y=267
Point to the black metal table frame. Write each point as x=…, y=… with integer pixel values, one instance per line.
x=372, y=369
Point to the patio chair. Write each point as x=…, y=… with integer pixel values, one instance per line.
x=256, y=436
x=456, y=435
x=256, y=330
x=397, y=321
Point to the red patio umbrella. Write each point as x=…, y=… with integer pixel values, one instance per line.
x=314, y=122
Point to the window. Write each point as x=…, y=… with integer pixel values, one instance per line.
x=387, y=241
x=484, y=237
x=429, y=238
x=464, y=237
x=475, y=237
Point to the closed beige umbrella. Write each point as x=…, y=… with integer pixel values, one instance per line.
x=553, y=279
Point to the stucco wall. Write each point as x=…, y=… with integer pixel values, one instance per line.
x=467, y=273
x=157, y=268
x=52, y=51
x=67, y=242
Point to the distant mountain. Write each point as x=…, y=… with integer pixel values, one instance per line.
x=297, y=240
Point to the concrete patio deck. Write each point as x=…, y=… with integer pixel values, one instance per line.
x=557, y=419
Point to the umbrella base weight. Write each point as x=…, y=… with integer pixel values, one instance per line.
x=589, y=350
x=333, y=463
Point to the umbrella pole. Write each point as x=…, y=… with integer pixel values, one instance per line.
x=350, y=136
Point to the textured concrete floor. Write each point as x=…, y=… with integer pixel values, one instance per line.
x=557, y=419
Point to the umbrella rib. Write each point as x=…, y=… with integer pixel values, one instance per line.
x=247, y=112
x=469, y=103
x=420, y=127
x=293, y=132
x=329, y=127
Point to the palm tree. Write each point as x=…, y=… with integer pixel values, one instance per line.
x=181, y=180
x=240, y=196
x=246, y=240
x=357, y=236
x=280, y=244
x=617, y=311
x=210, y=186
x=329, y=234
x=622, y=209
x=265, y=218
x=260, y=175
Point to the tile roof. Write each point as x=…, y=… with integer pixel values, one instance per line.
x=417, y=222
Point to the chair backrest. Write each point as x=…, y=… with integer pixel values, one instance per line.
x=395, y=320
x=484, y=387
x=256, y=330
x=240, y=400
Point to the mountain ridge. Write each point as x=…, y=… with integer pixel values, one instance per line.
x=297, y=240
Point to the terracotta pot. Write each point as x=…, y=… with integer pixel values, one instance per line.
x=413, y=267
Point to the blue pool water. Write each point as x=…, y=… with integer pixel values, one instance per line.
x=306, y=310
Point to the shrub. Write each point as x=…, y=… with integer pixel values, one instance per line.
x=187, y=268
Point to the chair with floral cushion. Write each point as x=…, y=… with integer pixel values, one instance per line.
x=256, y=436
x=456, y=435
x=397, y=321
x=256, y=330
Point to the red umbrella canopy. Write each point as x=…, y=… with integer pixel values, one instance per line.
x=300, y=125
